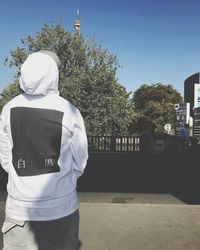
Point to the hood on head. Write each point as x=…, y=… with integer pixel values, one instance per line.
x=39, y=75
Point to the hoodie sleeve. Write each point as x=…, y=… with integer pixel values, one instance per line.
x=4, y=157
x=79, y=145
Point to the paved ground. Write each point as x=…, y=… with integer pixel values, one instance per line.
x=127, y=222
x=139, y=227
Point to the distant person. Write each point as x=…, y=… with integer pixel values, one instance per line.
x=184, y=133
x=43, y=148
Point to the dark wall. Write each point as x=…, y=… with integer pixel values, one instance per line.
x=176, y=174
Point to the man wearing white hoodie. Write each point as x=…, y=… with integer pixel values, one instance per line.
x=43, y=148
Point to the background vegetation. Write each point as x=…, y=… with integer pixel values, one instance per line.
x=88, y=79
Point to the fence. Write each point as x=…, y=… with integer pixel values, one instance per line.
x=113, y=143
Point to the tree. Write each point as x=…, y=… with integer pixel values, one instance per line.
x=87, y=78
x=154, y=107
x=8, y=93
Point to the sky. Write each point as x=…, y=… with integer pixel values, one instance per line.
x=155, y=41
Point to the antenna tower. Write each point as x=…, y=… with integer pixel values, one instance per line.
x=77, y=23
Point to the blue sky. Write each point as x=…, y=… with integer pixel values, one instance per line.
x=154, y=40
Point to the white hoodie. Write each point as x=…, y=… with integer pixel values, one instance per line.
x=43, y=145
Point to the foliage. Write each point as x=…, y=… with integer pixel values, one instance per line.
x=8, y=93
x=154, y=107
x=87, y=78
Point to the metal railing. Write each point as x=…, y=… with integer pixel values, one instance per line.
x=113, y=143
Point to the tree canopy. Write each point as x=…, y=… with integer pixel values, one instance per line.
x=154, y=107
x=87, y=78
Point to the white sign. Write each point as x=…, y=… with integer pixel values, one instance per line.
x=168, y=127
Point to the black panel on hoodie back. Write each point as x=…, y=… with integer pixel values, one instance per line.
x=36, y=135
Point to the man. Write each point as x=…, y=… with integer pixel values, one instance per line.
x=43, y=148
x=184, y=133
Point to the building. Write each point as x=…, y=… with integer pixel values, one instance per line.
x=192, y=95
x=191, y=87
